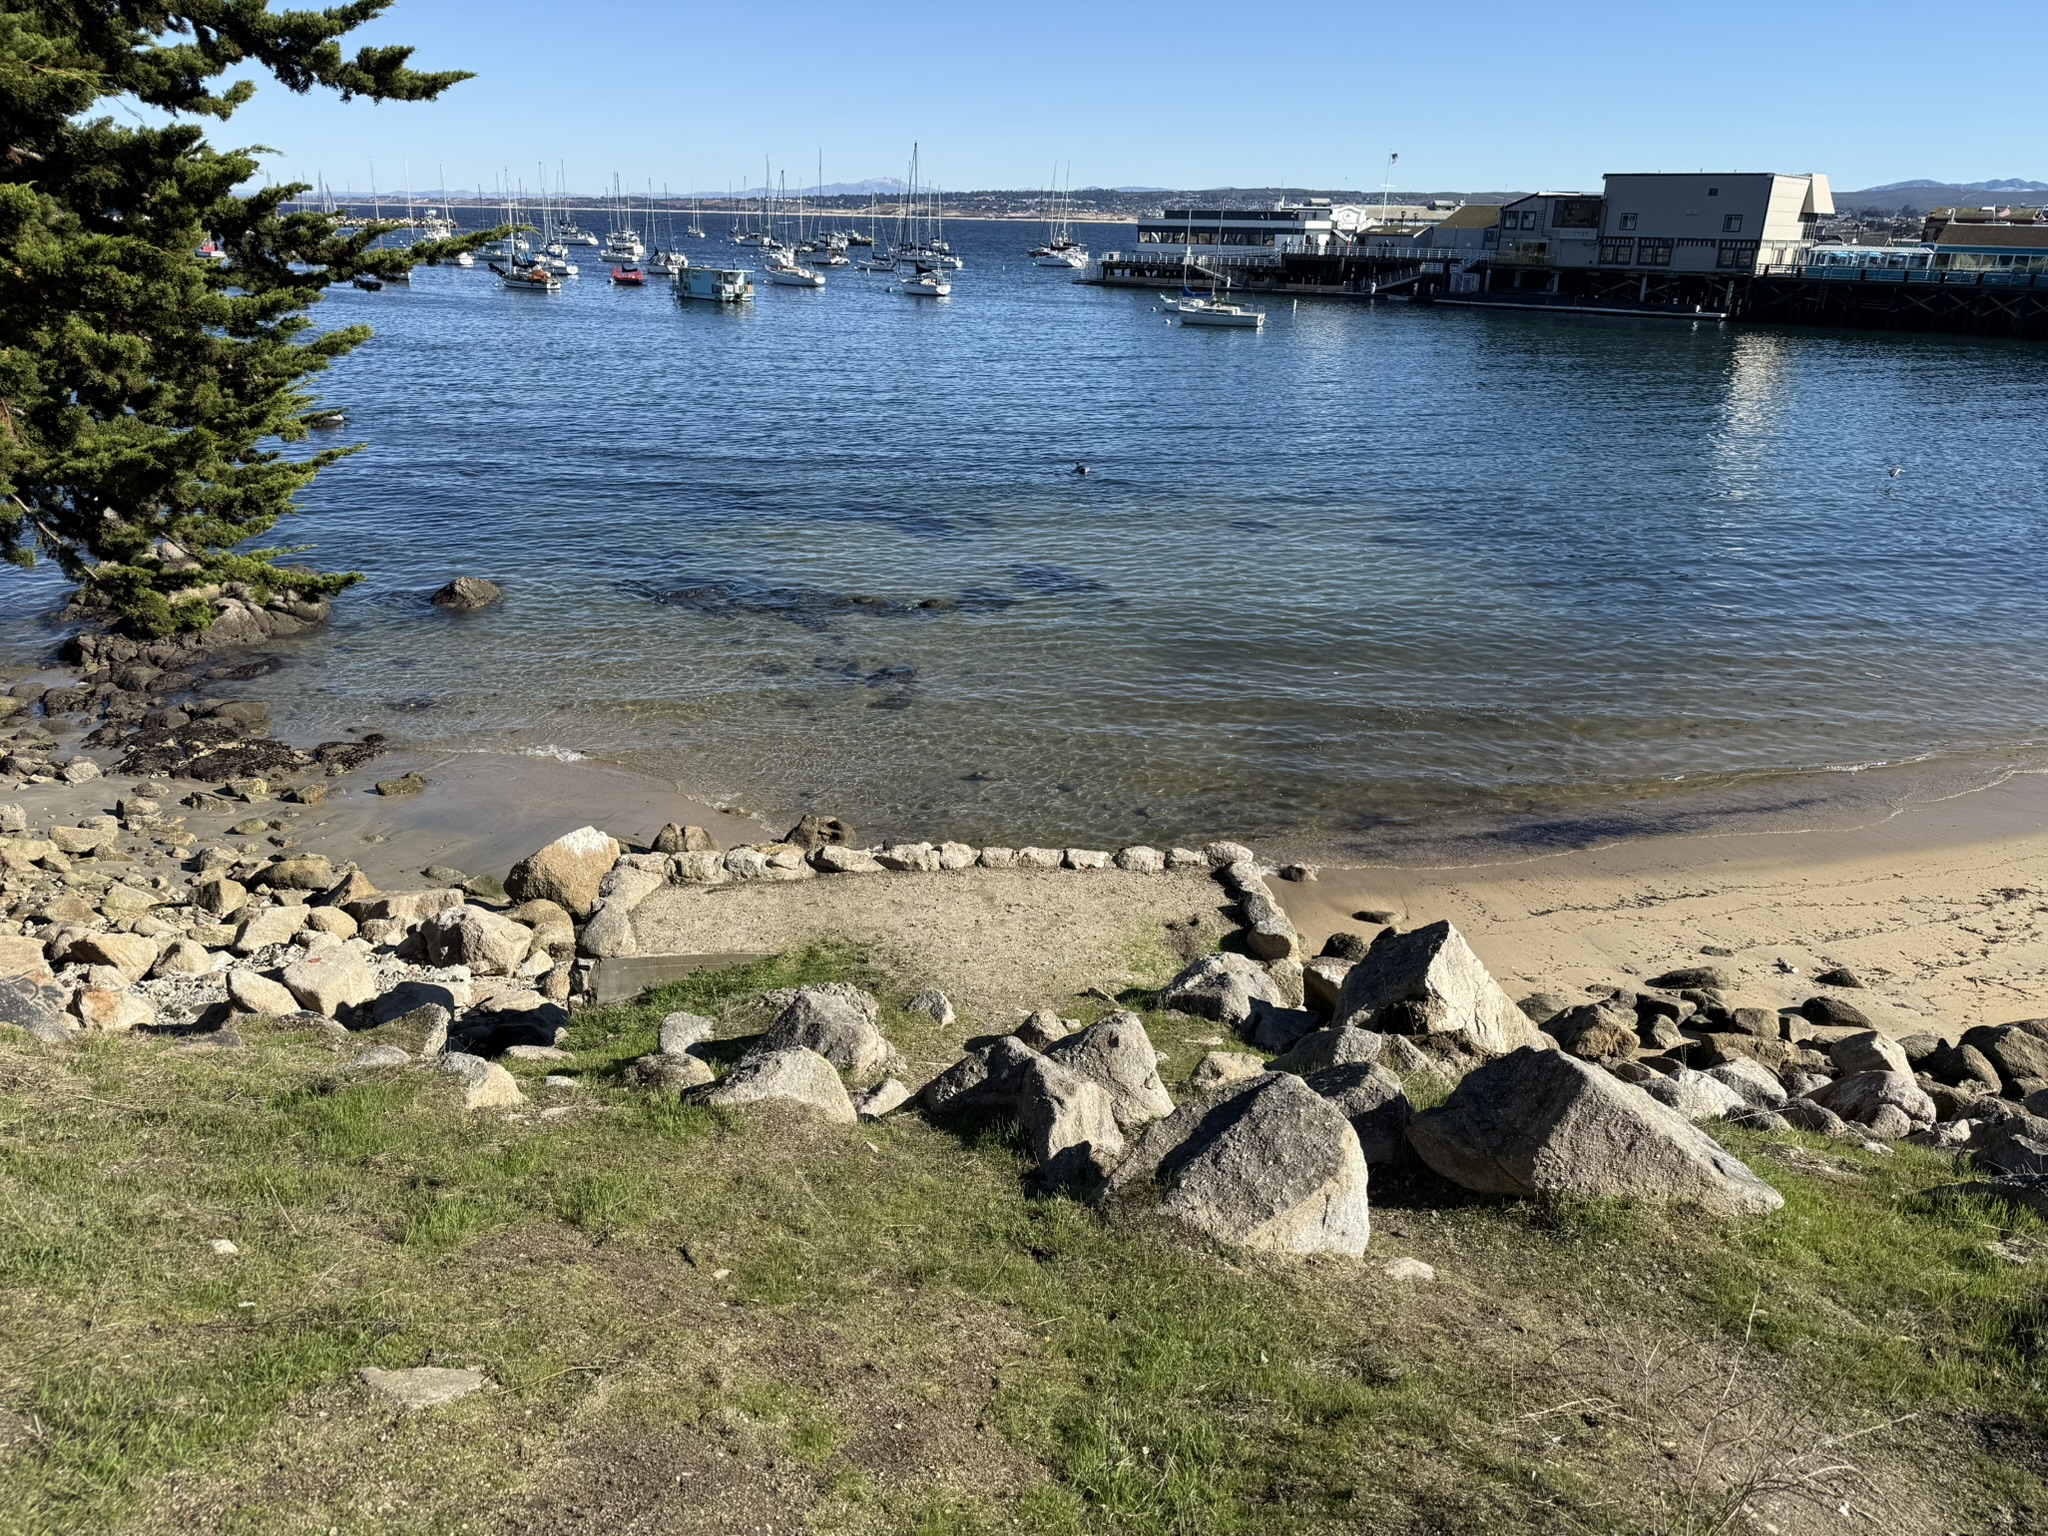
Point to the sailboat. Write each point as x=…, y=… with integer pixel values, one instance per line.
x=523, y=272
x=927, y=279
x=782, y=268
x=696, y=226
x=763, y=233
x=623, y=244
x=665, y=260
x=568, y=232
x=828, y=249
x=1061, y=250
x=1212, y=312
x=926, y=282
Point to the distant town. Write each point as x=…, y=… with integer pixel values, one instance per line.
x=1896, y=213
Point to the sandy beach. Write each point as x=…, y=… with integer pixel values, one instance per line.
x=1938, y=907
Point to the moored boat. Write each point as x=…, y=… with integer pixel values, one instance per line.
x=531, y=278
x=785, y=273
x=926, y=283
x=714, y=285
x=1216, y=314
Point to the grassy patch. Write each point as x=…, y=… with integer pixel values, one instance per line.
x=880, y=1328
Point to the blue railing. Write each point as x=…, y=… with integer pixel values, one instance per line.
x=1944, y=276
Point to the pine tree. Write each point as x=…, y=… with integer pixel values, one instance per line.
x=146, y=391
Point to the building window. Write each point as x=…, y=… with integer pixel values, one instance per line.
x=1736, y=256
x=1713, y=191
x=1628, y=221
x=1619, y=252
x=1653, y=253
x=1732, y=224
x=1529, y=218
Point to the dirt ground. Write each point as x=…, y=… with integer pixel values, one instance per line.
x=1000, y=942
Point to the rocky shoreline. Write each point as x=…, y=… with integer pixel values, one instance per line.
x=1387, y=1048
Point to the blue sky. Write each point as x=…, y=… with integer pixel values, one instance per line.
x=1487, y=95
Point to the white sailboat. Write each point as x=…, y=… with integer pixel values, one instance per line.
x=623, y=244
x=1061, y=250
x=926, y=282
x=1212, y=312
x=783, y=271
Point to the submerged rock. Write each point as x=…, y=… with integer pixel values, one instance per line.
x=468, y=594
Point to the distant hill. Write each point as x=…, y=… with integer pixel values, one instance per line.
x=1931, y=194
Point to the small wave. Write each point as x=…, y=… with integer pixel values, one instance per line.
x=558, y=754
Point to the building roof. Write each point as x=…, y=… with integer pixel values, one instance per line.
x=2007, y=237
x=1471, y=216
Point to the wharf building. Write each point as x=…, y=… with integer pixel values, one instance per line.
x=1696, y=245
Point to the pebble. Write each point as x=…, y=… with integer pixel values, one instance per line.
x=1411, y=1269
x=222, y=1247
x=425, y=1386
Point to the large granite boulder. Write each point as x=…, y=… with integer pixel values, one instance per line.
x=988, y=1079
x=328, y=980
x=490, y=945
x=1325, y=1048
x=1863, y=1096
x=1118, y=1054
x=1375, y=1103
x=1427, y=982
x=567, y=872
x=2018, y=1052
x=1267, y=1164
x=609, y=934
x=1223, y=987
x=37, y=1010
x=794, y=1076
x=1069, y=1121
x=1540, y=1122
x=1695, y=1095
x=835, y=1020
x=1277, y=1029
x=1868, y=1051
x=1593, y=1032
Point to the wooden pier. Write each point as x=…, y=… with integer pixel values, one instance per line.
x=1956, y=303
x=1346, y=275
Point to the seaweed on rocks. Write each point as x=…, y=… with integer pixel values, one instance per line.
x=264, y=759
x=246, y=671
x=344, y=756
x=807, y=607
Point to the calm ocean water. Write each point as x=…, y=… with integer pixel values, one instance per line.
x=1374, y=569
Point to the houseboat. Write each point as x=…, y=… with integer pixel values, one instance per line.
x=714, y=285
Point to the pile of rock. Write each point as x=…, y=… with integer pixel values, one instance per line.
x=1395, y=1049
x=1821, y=1067
x=119, y=924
